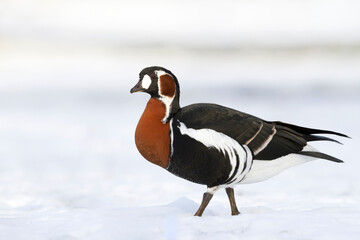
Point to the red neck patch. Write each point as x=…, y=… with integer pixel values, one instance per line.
x=167, y=86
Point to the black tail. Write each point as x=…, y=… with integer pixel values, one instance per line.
x=320, y=155
x=307, y=132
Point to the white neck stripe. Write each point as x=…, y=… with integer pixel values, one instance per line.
x=165, y=99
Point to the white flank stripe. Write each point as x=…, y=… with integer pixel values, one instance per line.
x=225, y=144
x=249, y=162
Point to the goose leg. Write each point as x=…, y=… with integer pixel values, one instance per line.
x=230, y=193
x=205, y=201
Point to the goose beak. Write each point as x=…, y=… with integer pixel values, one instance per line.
x=137, y=88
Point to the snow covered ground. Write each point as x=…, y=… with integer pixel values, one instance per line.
x=69, y=168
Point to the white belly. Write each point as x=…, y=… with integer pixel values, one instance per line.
x=262, y=170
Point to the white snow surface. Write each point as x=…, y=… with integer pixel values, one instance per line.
x=69, y=169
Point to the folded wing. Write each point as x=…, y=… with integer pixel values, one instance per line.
x=267, y=140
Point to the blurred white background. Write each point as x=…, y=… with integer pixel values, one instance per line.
x=67, y=118
x=76, y=44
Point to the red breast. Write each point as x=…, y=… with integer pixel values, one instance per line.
x=152, y=136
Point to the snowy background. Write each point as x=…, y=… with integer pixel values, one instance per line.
x=69, y=168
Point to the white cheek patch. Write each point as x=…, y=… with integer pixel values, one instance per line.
x=146, y=82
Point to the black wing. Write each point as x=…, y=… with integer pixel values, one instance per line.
x=267, y=140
